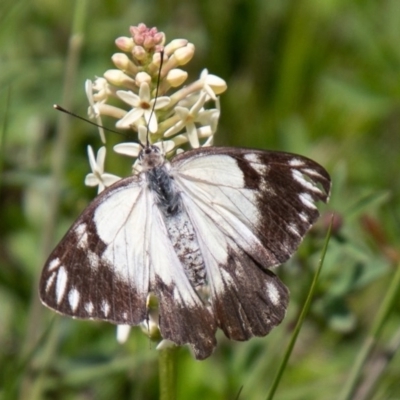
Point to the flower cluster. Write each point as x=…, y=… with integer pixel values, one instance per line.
x=145, y=95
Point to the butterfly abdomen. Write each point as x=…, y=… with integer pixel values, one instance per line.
x=184, y=240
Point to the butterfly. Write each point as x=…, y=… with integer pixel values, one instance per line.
x=201, y=233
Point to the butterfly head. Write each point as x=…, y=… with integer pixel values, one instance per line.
x=150, y=157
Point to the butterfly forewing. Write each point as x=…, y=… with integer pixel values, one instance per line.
x=234, y=213
x=258, y=197
x=99, y=269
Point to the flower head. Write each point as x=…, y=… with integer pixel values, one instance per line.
x=139, y=91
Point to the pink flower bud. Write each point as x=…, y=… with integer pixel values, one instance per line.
x=124, y=43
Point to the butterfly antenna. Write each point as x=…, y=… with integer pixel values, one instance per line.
x=62, y=109
x=156, y=96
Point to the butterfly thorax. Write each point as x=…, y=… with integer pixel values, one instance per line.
x=167, y=196
x=150, y=157
x=177, y=221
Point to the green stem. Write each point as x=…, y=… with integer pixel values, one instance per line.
x=167, y=371
x=302, y=317
x=372, y=338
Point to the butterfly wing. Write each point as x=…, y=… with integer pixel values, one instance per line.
x=115, y=254
x=100, y=270
x=250, y=210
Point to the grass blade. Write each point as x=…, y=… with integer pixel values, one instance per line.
x=302, y=317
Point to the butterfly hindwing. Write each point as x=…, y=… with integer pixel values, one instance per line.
x=246, y=299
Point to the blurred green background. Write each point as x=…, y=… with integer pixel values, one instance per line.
x=319, y=78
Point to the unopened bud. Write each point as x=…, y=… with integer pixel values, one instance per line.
x=142, y=77
x=176, y=77
x=174, y=45
x=122, y=62
x=124, y=43
x=184, y=54
x=139, y=53
x=118, y=78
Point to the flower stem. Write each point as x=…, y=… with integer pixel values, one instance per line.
x=167, y=371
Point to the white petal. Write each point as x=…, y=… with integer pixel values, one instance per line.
x=192, y=135
x=174, y=129
x=199, y=104
x=129, y=97
x=204, y=73
x=151, y=120
x=207, y=89
x=101, y=156
x=144, y=92
x=130, y=118
x=101, y=130
x=101, y=187
x=161, y=102
x=92, y=159
x=128, y=149
x=143, y=134
x=109, y=179
x=89, y=91
x=91, y=180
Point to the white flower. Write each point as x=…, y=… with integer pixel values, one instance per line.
x=98, y=176
x=142, y=107
x=209, y=118
x=93, y=109
x=187, y=118
x=212, y=84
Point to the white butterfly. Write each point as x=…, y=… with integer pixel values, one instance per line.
x=200, y=233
